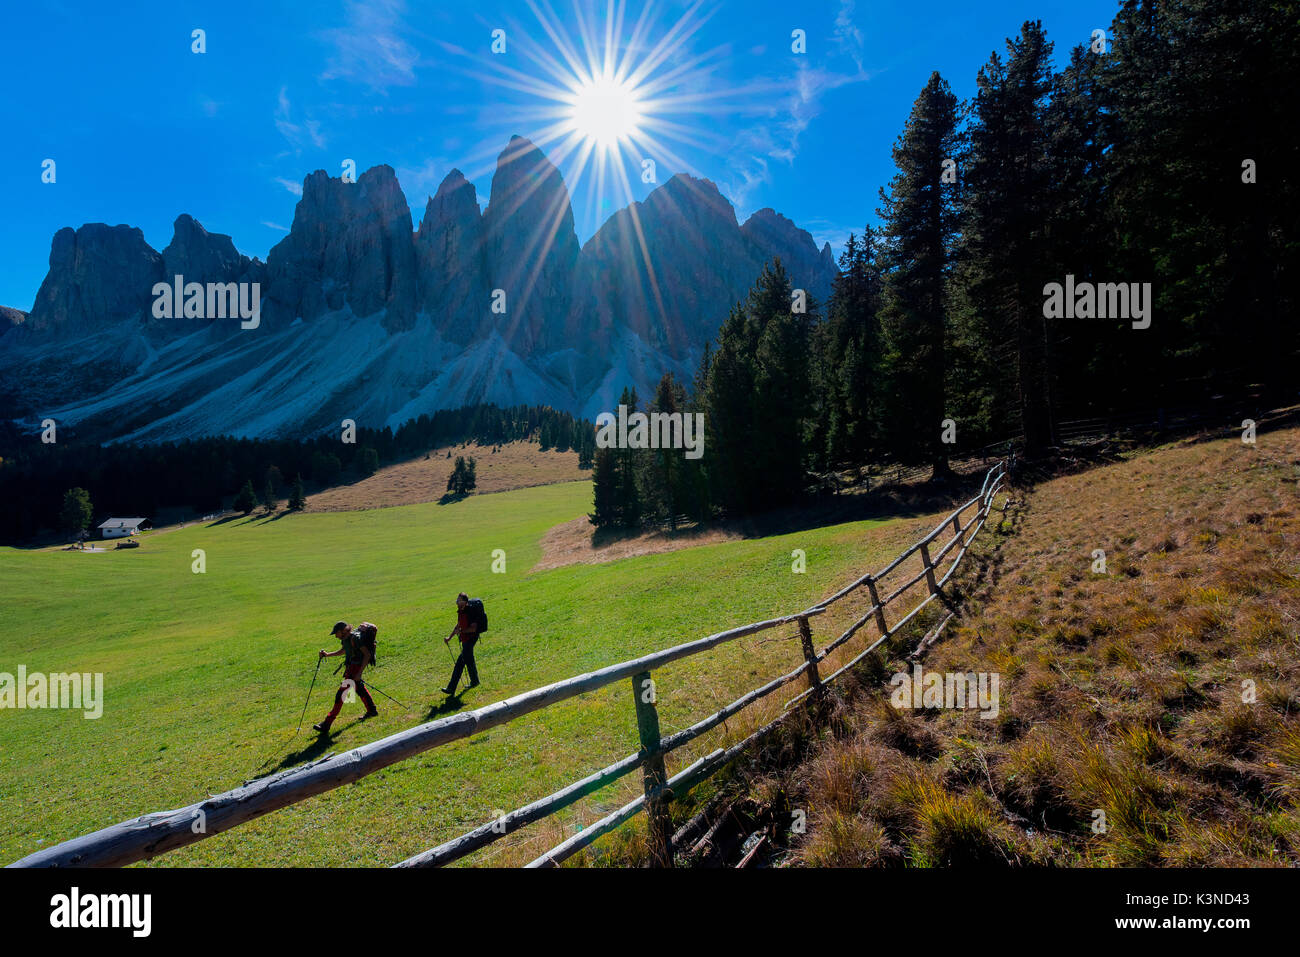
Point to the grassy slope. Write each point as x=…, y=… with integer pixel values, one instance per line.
x=1120, y=692
x=499, y=469
x=206, y=674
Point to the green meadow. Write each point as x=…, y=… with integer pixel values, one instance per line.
x=205, y=674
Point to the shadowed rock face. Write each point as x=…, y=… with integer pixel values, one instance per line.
x=204, y=257
x=671, y=267
x=363, y=317
x=99, y=275
x=531, y=248
x=450, y=261
x=350, y=246
x=808, y=267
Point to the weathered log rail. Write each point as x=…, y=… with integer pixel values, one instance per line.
x=153, y=834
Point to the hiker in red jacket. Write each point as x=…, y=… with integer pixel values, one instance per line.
x=467, y=629
x=356, y=657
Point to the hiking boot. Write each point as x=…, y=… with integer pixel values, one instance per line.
x=323, y=727
x=472, y=684
x=448, y=690
x=370, y=714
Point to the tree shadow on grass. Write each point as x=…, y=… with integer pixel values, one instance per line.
x=819, y=511
x=281, y=513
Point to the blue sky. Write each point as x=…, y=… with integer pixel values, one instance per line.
x=142, y=128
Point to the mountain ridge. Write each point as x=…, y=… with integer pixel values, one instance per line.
x=366, y=316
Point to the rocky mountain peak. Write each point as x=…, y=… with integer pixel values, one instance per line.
x=449, y=252
x=350, y=245
x=99, y=274
x=201, y=256
x=531, y=246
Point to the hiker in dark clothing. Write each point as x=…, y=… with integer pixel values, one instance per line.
x=467, y=629
x=356, y=657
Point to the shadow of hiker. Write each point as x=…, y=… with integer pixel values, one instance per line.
x=317, y=746
x=450, y=705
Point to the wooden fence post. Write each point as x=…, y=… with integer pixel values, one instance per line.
x=653, y=776
x=929, y=569
x=810, y=655
x=875, y=602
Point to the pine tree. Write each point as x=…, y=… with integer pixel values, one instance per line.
x=846, y=383
x=456, y=480
x=920, y=219
x=246, y=499
x=629, y=510
x=368, y=461
x=76, y=512
x=756, y=398
x=604, y=480
x=1007, y=196
x=268, y=497
x=298, y=497
x=663, y=474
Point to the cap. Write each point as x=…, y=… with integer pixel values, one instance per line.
x=339, y=626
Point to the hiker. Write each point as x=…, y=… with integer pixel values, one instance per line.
x=467, y=628
x=356, y=657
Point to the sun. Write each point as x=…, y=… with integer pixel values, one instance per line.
x=605, y=112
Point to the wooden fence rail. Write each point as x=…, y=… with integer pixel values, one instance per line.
x=153, y=834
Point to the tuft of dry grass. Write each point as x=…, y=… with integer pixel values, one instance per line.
x=1149, y=716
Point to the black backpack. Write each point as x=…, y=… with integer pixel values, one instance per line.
x=366, y=634
x=479, y=614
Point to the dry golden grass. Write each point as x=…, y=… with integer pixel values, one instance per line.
x=424, y=479
x=1120, y=693
x=574, y=543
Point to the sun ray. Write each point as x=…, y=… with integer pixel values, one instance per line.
x=608, y=95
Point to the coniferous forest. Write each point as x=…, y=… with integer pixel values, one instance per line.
x=1151, y=178
x=203, y=474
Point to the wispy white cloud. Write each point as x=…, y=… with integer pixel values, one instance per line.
x=775, y=135
x=291, y=185
x=848, y=38
x=276, y=226
x=299, y=134
x=370, y=49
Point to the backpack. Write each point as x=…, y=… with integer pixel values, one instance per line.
x=366, y=635
x=479, y=614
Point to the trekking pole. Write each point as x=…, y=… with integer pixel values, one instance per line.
x=309, y=691
x=370, y=686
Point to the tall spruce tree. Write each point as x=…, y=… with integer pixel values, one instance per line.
x=847, y=352
x=757, y=398
x=919, y=213
x=1007, y=195
x=663, y=475
x=604, y=481
x=627, y=479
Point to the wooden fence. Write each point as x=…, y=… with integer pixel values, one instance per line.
x=153, y=834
